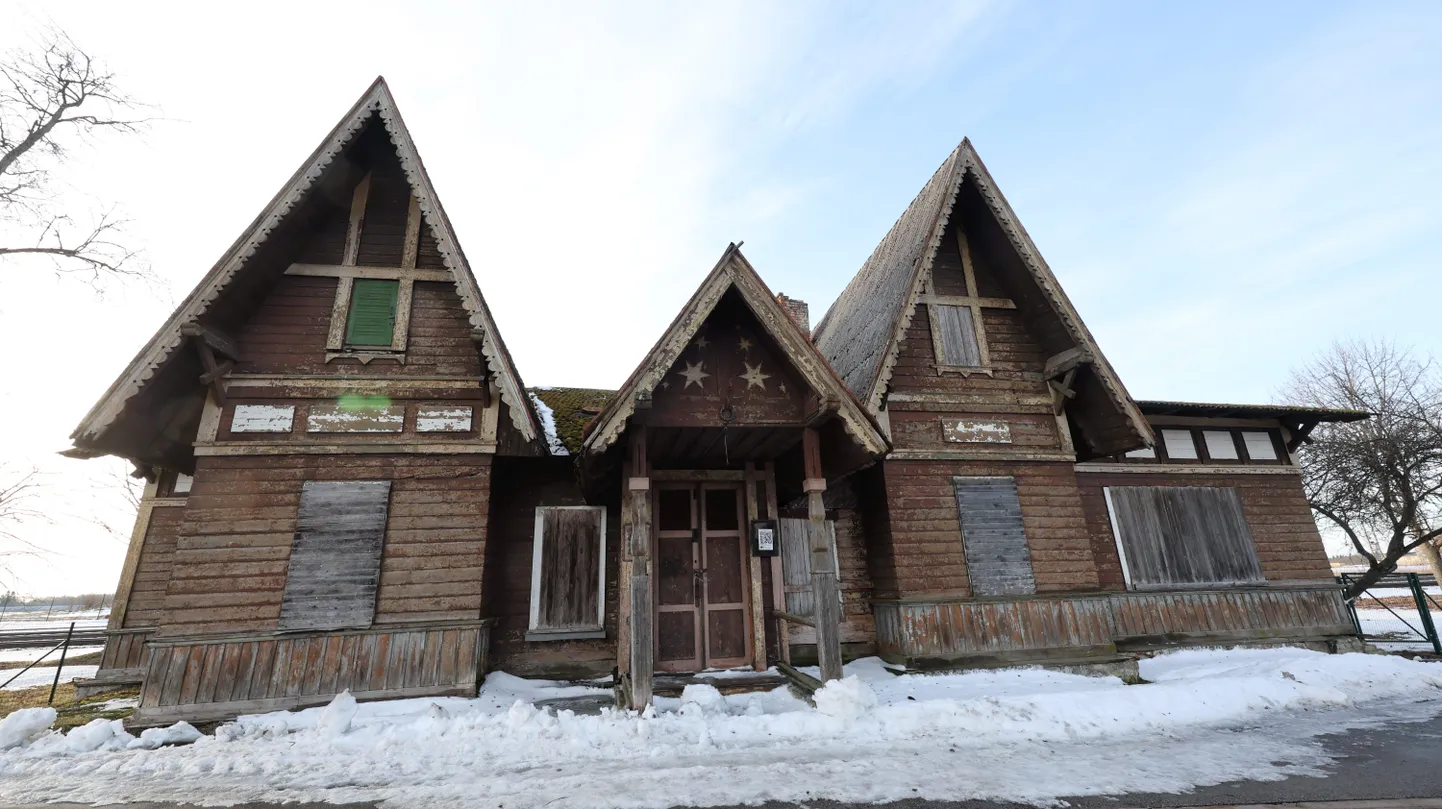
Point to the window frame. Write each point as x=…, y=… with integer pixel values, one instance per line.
x=1204, y=455
x=336, y=345
x=971, y=301
x=535, y=633
x=1129, y=580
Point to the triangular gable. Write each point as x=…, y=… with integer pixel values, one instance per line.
x=734, y=271
x=861, y=334
x=377, y=100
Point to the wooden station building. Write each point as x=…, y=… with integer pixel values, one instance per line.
x=349, y=486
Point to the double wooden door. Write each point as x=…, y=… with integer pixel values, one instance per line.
x=702, y=578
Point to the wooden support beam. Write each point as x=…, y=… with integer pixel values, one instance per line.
x=778, y=578
x=1064, y=361
x=357, y=220
x=218, y=341
x=413, y=235
x=824, y=587
x=642, y=651
x=757, y=594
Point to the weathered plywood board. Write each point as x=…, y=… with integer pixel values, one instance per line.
x=1172, y=535
x=998, y=561
x=341, y=418
x=262, y=419
x=335, y=557
x=443, y=419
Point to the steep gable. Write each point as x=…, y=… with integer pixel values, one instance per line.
x=862, y=334
x=149, y=413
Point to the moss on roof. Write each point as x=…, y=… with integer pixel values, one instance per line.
x=573, y=408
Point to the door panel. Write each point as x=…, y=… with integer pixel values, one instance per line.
x=702, y=578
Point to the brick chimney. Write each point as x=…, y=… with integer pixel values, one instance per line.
x=799, y=312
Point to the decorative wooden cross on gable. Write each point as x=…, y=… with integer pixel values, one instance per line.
x=953, y=316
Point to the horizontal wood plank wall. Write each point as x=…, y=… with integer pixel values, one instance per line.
x=924, y=554
x=152, y=573
x=948, y=630
x=858, y=624
x=232, y=553
x=1288, y=544
x=521, y=486
x=287, y=333
x=207, y=679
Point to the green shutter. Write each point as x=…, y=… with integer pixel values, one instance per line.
x=372, y=319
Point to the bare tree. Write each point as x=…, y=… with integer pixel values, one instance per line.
x=52, y=97
x=1378, y=480
x=17, y=506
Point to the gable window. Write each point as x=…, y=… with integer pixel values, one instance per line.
x=371, y=322
x=1220, y=446
x=956, y=337
x=1170, y=536
x=1259, y=444
x=335, y=556
x=568, y=573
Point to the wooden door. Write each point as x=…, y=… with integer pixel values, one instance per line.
x=702, y=578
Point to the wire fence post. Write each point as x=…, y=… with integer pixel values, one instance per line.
x=1423, y=613
x=65, y=647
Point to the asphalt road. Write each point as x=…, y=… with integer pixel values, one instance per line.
x=1387, y=767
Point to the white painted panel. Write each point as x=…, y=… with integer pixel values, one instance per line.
x=443, y=420
x=182, y=483
x=1220, y=445
x=966, y=431
x=1179, y=444
x=349, y=419
x=1144, y=452
x=262, y=419
x=1259, y=446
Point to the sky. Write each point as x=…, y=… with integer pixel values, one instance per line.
x=1223, y=189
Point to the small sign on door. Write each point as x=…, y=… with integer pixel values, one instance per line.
x=765, y=540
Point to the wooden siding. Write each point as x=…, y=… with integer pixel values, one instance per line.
x=1283, y=531
x=231, y=556
x=857, y=623
x=210, y=679
x=1002, y=630
x=152, y=574
x=521, y=486
x=287, y=333
x=920, y=550
x=124, y=649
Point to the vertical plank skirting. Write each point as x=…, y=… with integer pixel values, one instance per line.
x=217, y=678
x=1065, y=626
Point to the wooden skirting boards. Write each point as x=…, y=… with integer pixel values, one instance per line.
x=206, y=679
x=1086, y=626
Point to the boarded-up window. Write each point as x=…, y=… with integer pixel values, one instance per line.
x=796, y=562
x=1182, y=535
x=568, y=572
x=335, y=557
x=956, y=342
x=998, y=562
x=372, y=320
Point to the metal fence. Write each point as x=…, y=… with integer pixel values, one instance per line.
x=31, y=639
x=1414, y=624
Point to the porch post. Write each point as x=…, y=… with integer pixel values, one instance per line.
x=642, y=646
x=823, y=567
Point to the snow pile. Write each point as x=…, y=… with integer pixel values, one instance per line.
x=24, y=725
x=178, y=733
x=548, y=426
x=1018, y=735
x=847, y=698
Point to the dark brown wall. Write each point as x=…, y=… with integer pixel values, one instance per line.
x=522, y=484
x=288, y=332
x=152, y=572
x=238, y=524
x=1288, y=544
x=922, y=552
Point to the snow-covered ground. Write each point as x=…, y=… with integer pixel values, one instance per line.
x=86, y=620
x=1021, y=734
x=27, y=655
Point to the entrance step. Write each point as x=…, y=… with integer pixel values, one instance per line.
x=671, y=685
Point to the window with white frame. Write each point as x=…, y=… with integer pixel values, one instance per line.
x=1179, y=445
x=568, y=573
